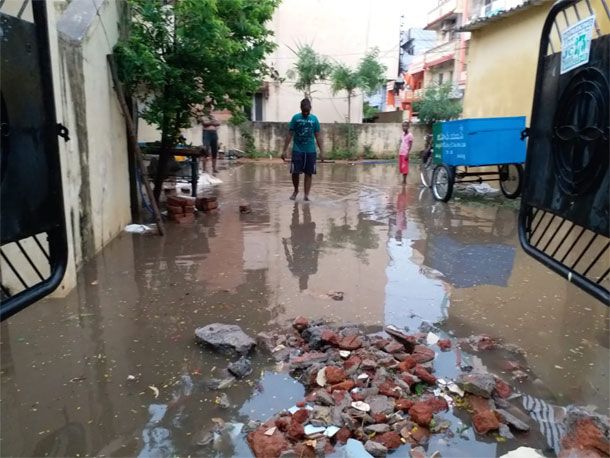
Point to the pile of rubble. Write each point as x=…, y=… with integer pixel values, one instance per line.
x=375, y=392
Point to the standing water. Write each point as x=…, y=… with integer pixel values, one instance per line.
x=113, y=368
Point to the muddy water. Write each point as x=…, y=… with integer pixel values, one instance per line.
x=398, y=257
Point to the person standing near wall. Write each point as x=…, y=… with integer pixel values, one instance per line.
x=305, y=130
x=210, y=140
x=406, y=143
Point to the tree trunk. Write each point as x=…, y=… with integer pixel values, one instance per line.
x=349, y=107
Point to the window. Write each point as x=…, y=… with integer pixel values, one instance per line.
x=440, y=78
x=257, y=109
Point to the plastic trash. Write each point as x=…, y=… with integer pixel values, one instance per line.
x=138, y=228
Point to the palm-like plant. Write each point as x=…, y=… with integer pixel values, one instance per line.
x=309, y=68
x=369, y=75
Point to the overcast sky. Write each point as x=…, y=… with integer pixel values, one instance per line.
x=415, y=11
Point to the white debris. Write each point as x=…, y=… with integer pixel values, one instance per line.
x=270, y=431
x=452, y=386
x=205, y=179
x=362, y=406
x=293, y=410
x=310, y=430
x=331, y=431
x=344, y=353
x=432, y=338
x=321, y=377
x=138, y=228
x=278, y=348
x=131, y=377
x=363, y=376
x=523, y=452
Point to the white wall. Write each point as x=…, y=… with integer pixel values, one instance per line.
x=343, y=30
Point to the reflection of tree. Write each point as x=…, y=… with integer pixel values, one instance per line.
x=361, y=238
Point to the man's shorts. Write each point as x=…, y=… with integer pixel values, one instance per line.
x=303, y=163
x=210, y=143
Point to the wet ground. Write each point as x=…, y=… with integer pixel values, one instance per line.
x=399, y=258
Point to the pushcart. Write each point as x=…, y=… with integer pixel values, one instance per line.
x=473, y=151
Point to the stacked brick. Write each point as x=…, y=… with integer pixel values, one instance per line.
x=206, y=204
x=181, y=209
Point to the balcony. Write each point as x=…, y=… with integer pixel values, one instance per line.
x=444, y=10
x=441, y=53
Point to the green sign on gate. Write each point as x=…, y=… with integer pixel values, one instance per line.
x=576, y=44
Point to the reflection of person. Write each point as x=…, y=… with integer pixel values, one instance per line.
x=305, y=130
x=210, y=139
x=401, y=217
x=406, y=143
x=303, y=261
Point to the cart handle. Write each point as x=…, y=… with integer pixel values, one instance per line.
x=525, y=133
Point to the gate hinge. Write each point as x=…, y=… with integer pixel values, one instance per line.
x=63, y=132
x=525, y=133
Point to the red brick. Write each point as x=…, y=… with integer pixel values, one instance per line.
x=301, y=415
x=345, y=386
x=485, y=421
x=444, y=344
x=350, y=343
x=407, y=364
x=404, y=404
x=502, y=388
x=176, y=201
x=334, y=374
x=343, y=435
x=189, y=209
x=424, y=375
x=172, y=210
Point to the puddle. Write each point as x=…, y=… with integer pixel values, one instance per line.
x=398, y=256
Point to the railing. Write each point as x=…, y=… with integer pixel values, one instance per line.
x=443, y=9
x=442, y=50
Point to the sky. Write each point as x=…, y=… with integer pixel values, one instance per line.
x=415, y=11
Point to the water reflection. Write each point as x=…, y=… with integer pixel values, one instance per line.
x=398, y=256
x=305, y=244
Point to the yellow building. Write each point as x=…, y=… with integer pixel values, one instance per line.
x=503, y=54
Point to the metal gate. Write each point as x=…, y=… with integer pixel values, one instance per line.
x=564, y=219
x=33, y=251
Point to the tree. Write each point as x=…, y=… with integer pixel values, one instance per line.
x=368, y=76
x=437, y=105
x=309, y=68
x=184, y=58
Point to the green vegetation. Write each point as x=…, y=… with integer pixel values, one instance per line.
x=183, y=59
x=309, y=68
x=437, y=105
x=368, y=76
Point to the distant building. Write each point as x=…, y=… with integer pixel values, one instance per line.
x=432, y=56
x=344, y=31
x=503, y=32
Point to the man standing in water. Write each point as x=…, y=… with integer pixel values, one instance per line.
x=210, y=140
x=305, y=130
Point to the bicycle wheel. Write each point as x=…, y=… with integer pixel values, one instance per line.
x=510, y=179
x=442, y=183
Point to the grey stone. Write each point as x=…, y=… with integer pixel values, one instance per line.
x=324, y=398
x=380, y=404
x=225, y=337
x=313, y=336
x=477, y=383
x=219, y=384
x=513, y=421
x=289, y=454
x=504, y=431
x=377, y=428
x=375, y=448
x=425, y=326
x=240, y=368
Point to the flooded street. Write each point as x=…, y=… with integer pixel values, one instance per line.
x=80, y=375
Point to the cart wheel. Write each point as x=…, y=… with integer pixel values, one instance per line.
x=510, y=179
x=442, y=182
x=425, y=173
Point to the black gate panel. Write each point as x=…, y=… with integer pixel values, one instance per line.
x=564, y=217
x=32, y=224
